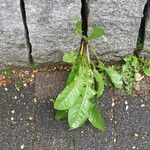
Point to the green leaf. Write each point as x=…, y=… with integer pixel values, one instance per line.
x=69, y=95
x=100, y=82
x=96, y=33
x=74, y=70
x=96, y=119
x=7, y=71
x=79, y=112
x=147, y=71
x=61, y=114
x=70, y=57
x=115, y=77
x=78, y=27
x=135, y=63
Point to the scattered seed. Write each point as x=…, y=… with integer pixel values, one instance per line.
x=115, y=140
x=25, y=84
x=13, y=111
x=22, y=95
x=65, y=68
x=22, y=146
x=143, y=105
x=12, y=118
x=6, y=89
x=32, y=75
x=30, y=118
x=34, y=100
x=17, y=88
x=126, y=102
x=51, y=100
x=133, y=147
x=82, y=132
x=15, y=97
x=113, y=104
x=136, y=135
x=127, y=107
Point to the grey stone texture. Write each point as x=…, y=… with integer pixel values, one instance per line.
x=121, y=20
x=146, y=51
x=12, y=40
x=51, y=27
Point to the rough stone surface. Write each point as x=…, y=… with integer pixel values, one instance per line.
x=12, y=40
x=51, y=27
x=146, y=51
x=121, y=20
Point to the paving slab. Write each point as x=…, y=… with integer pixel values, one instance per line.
x=28, y=125
x=16, y=108
x=89, y=138
x=46, y=85
x=51, y=134
x=132, y=123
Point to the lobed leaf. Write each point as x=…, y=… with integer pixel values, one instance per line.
x=115, y=77
x=70, y=57
x=74, y=70
x=100, y=82
x=69, y=95
x=78, y=27
x=96, y=33
x=78, y=114
x=96, y=119
x=147, y=71
x=61, y=114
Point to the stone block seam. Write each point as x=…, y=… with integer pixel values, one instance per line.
x=84, y=17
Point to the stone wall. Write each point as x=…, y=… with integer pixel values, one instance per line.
x=51, y=29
